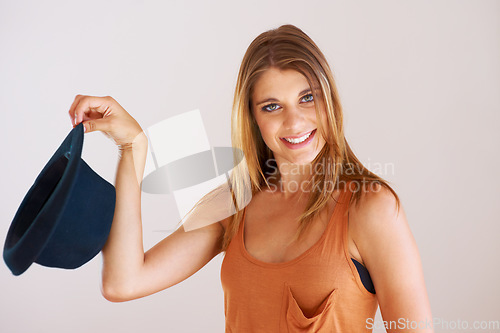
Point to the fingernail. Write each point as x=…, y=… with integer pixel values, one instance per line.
x=84, y=128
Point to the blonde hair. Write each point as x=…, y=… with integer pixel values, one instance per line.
x=288, y=47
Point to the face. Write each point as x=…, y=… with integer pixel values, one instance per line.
x=283, y=106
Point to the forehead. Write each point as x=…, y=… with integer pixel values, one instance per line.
x=275, y=81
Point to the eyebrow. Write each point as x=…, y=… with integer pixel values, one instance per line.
x=275, y=100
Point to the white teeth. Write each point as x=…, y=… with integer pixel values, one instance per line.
x=299, y=140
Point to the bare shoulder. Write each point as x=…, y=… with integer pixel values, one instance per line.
x=375, y=219
x=376, y=203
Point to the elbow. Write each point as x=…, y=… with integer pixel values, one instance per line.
x=113, y=297
x=114, y=294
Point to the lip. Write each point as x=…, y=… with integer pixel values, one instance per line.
x=296, y=136
x=302, y=144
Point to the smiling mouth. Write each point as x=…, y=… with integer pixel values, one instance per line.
x=299, y=139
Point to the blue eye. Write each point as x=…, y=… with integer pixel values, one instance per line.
x=273, y=106
x=266, y=108
x=311, y=97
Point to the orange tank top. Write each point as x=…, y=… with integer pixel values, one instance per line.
x=318, y=291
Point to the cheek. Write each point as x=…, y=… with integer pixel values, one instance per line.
x=268, y=131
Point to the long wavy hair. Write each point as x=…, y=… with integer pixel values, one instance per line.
x=288, y=47
x=335, y=167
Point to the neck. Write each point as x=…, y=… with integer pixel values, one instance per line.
x=292, y=180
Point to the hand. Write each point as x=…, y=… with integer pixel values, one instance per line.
x=106, y=115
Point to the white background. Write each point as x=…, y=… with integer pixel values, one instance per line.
x=419, y=82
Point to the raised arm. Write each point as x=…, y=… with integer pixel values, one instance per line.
x=127, y=272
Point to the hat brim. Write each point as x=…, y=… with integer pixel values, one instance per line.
x=41, y=209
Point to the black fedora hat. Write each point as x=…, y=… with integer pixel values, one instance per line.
x=65, y=218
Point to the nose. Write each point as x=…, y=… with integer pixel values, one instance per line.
x=294, y=120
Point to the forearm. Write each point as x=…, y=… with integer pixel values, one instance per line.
x=123, y=253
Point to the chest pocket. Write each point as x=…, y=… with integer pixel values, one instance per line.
x=296, y=321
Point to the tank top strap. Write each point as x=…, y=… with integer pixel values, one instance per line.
x=336, y=230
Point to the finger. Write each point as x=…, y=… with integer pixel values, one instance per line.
x=95, y=125
x=92, y=113
x=71, y=111
x=90, y=103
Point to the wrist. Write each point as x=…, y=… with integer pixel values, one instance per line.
x=134, y=154
x=139, y=143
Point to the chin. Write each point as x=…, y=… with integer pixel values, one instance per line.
x=303, y=159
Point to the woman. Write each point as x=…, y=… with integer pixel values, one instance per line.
x=323, y=240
